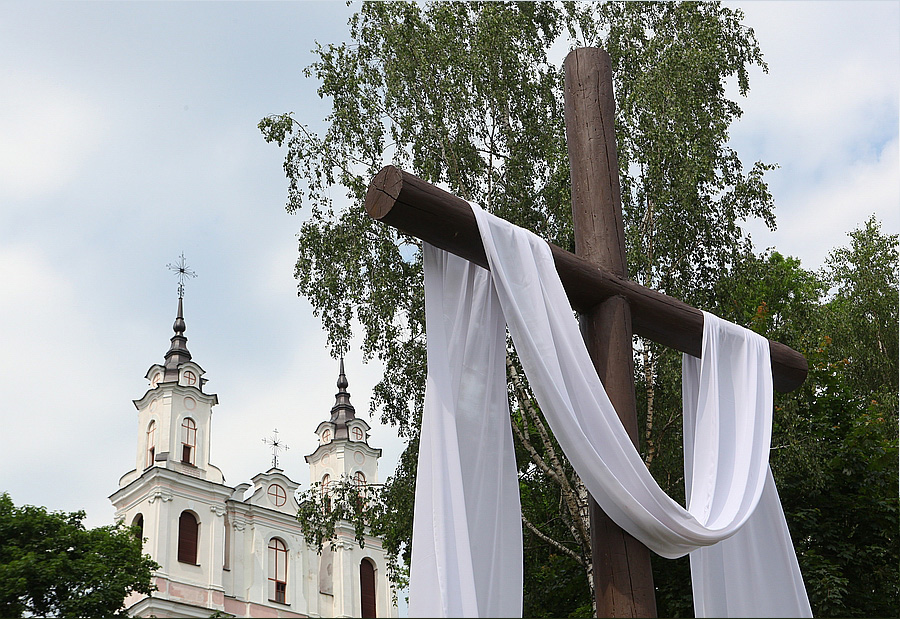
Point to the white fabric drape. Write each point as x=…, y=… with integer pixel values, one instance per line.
x=467, y=532
x=466, y=459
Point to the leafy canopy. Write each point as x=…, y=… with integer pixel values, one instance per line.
x=469, y=95
x=51, y=566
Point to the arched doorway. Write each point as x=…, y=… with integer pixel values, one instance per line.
x=367, y=587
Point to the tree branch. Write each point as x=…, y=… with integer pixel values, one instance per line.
x=572, y=500
x=552, y=541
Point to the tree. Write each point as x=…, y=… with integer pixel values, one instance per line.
x=469, y=95
x=864, y=310
x=343, y=505
x=839, y=470
x=50, y=565
x=834, y=443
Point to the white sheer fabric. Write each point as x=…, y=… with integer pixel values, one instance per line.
x=467, y=549
x=729, y=396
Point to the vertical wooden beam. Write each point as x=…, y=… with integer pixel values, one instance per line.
x=623, y=580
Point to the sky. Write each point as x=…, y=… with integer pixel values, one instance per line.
x=128, y=136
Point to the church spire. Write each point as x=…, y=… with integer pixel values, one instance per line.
x=342, y=411
x=342, y=383
x=178, y=352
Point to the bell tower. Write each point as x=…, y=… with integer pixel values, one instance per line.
x=174, y=414
x=174, y=494
x=343, y=450
x=352, y=580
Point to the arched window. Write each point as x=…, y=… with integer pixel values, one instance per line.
x=326, y=500
x=359, y=481
x=278, y=557
x=188, y=538
x=139, y=523
x=367, y=588
x=326, y=436
x=357, y=434
x=151, y=443
x=188, y=440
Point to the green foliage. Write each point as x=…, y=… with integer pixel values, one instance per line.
x=50, y=565
x=672, y=579
x=684, y=190
x=772, y=295
x=555, y=583
x=864, y=309
x=834, y=441
x=838, y=480
x=343, y=506
x=836, y=446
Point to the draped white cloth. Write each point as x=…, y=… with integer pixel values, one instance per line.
x=467, y=546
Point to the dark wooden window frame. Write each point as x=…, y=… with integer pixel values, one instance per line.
x=189, y=441
x=279, y=548
x=368, y=606
x=188, y=538
x=278, y=495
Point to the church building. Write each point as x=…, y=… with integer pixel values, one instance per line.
x=240, y=550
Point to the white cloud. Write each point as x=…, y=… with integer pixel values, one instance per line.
x=814, y=222
x=62, y=390
x=827, y=113
x=844, y=201
x=47, y=131
x=823, y=95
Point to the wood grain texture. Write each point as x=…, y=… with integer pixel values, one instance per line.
x=623, y=577
x=420, y=209
x=593, y=162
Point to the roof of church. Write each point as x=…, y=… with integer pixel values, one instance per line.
x=178, y=352
x=342, y=411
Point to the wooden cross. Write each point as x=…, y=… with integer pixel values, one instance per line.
x=611, y=307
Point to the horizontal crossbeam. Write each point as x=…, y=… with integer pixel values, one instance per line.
x=420, y=209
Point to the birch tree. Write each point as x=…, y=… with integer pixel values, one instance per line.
x=469, y=96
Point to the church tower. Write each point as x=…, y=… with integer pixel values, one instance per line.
x=174, y=493
x=343, y=450
x=350, y=578
x=175, y=413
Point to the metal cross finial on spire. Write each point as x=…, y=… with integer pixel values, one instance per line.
x=276, y=445
x=181, y=268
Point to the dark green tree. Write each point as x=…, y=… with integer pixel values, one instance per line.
x=839, y=463
x=836, y=461
x=52, y=566
x=469, y=95
x=834, y=444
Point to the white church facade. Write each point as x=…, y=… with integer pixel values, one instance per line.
x=240, y=550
